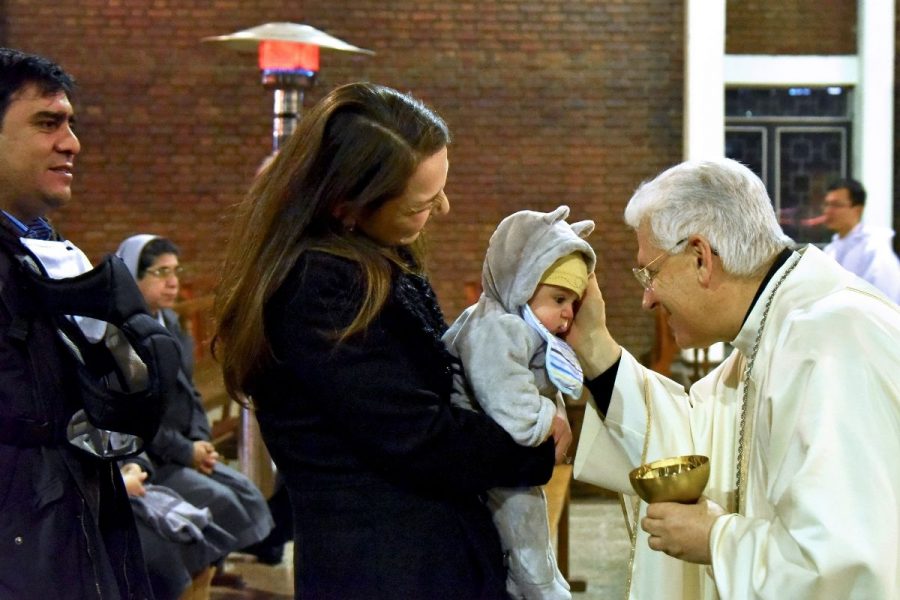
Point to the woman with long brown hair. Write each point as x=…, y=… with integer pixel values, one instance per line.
x=328, y=325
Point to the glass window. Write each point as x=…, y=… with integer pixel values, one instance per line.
x=798, y=141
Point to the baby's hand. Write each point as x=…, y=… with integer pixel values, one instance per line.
x=562, y=436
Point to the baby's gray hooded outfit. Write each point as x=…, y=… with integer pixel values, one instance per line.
x=504, y=375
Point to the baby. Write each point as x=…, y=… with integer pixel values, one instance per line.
x=516, y=368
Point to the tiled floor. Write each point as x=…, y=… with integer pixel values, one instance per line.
x=599, y=548
x=598, y=555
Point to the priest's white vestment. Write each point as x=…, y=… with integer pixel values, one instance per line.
x=821, y=508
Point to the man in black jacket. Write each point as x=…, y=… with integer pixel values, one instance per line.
x=66, y=528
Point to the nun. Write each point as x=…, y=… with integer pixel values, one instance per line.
x=182, y=454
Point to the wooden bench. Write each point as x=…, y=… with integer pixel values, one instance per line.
x=223, y=413
x=558, y=497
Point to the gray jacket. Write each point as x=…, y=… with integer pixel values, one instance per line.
x=503, y=366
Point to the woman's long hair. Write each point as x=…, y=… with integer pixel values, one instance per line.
x=357, y=148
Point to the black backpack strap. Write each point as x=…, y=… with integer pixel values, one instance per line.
x=77, y=295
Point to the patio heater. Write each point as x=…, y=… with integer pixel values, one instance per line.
x=288, y=55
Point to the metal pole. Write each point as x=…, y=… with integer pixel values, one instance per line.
x=253, y=456
x=287, y=87
x=287, y=112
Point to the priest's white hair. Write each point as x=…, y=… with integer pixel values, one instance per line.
x=721, y=200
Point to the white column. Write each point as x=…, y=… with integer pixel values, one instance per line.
x=704, y=79
x=873, y=136
x=704, y=88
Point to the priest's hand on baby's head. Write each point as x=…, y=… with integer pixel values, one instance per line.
x=588, y=336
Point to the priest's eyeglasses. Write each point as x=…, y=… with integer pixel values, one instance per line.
x=165, y=272
x=645, y=276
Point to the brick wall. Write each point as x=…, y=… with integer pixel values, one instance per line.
x=791, y=27
x=559, y=101
x=549, y=102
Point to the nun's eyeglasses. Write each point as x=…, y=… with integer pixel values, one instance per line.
x=165, y=272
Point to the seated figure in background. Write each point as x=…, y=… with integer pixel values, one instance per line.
x=183, y=457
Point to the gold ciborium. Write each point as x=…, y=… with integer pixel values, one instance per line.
x=677, y=479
